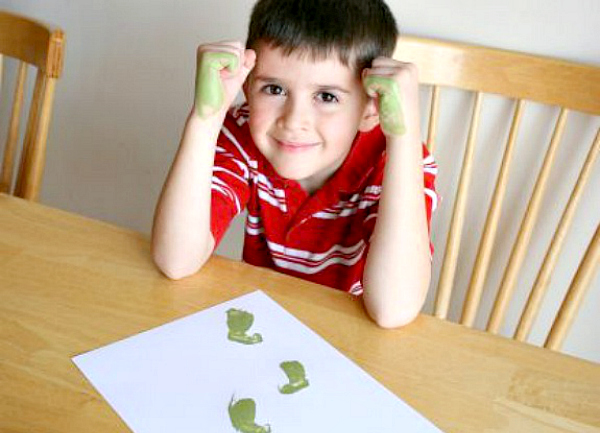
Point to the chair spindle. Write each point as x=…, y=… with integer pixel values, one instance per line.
x=38, y=154
x=491, y=225
x=575, y=295
x=517, y=255
x=458, y=217
x=549, y=263
x=12, y=138
x=31, y=135
x=433, y=118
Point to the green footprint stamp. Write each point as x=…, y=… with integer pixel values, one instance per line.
x=296, y=375
x=390, y=108
x=239, y=322
x=242, y=414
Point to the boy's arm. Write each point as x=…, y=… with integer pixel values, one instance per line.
x=398, y=266
x=181, y=236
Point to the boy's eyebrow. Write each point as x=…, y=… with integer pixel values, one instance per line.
x=331, y=87
x=268, y=79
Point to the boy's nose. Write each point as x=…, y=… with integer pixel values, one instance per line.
x=296, y=115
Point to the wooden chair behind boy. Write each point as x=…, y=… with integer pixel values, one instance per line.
x=30, y=44
x=519, y=76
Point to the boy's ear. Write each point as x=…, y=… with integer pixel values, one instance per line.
x=245, y=88
x=370, y=118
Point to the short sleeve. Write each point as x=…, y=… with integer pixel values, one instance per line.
x=231, y=176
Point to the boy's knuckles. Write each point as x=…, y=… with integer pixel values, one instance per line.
x=212, y=48
x=411, y=68
x=232, y=44
x=406, y=76
x=382, y=61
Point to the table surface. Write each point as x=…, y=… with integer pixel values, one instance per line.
x=69, y=284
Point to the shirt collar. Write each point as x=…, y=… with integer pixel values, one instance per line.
x=365, y=154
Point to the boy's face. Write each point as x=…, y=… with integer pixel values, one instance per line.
x=305, y=113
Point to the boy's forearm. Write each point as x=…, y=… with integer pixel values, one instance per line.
x=398, y=267
x=181, y=236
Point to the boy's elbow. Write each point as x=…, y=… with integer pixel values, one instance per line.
x=178, y=269
x=172, y=271
x=394, y=319
x=394, y=305
x=394, y=312
x=177, y=262
x=176, y=273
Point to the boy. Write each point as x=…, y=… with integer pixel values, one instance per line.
x=326, y=156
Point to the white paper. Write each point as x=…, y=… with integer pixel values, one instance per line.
x=181, y=377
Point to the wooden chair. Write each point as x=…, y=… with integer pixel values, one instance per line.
x=31, y=44
x=571, y=86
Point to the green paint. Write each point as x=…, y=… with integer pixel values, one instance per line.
x=238, y=322
x=391, y=116
x=242, y=414
x=296, y=375
x=210, y=95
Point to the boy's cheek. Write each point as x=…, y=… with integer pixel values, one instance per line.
x=258, y=121
x=262, y=109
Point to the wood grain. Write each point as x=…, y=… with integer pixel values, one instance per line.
x=70, y=284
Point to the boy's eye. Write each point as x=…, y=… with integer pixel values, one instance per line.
x=273, y=89
x=327, y=97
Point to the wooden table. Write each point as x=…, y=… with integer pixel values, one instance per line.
x=70, y=284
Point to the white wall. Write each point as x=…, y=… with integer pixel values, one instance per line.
x=128, y=83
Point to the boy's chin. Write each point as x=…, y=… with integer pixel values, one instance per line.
x=291, y=174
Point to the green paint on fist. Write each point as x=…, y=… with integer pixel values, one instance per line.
x=210, y=95
x=391, y=116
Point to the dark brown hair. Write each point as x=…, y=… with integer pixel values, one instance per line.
x=357, y=31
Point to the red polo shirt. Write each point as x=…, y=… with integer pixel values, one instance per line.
x=322, y=238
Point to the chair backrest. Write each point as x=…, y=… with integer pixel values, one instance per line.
x=519, y=76
x=40, y=46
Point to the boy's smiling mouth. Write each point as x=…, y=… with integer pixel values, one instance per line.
x=295, y=146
